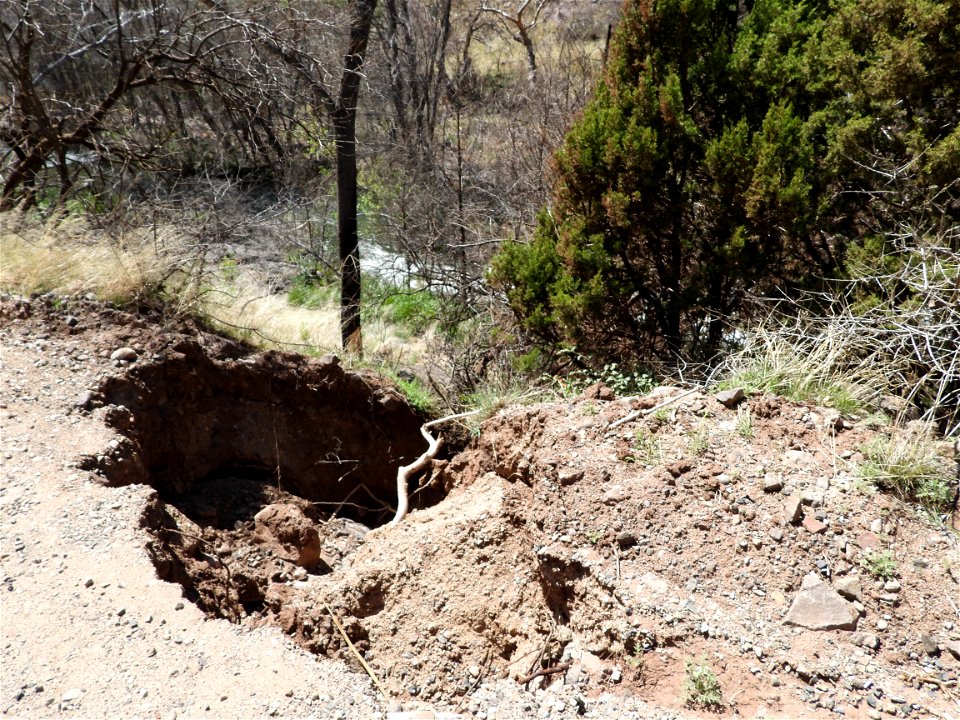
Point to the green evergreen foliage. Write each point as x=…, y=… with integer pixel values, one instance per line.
x=730, y=151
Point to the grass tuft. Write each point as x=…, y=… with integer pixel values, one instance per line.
x=908, y=465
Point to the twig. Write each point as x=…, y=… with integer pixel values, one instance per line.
x=953, y=604
x=405, y=471
x=640, y=413
x=563, y=667
x=355, y=652
x=542, y=650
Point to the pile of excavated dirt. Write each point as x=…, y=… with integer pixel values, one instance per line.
x=577, y=559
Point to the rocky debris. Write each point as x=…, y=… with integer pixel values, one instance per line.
x=929, y=645
x=813, y=526
x=772, y=483
x=793, y=510
x=294, y=535
x=849, y=587
x=898, y=408
x=953, y=647
x=866, y=640
x=819, y=607
x=730, y=398
x=124, y=354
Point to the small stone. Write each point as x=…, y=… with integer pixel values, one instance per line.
x=569, y=476
x=849, y=587
x=892, y=586
x=71, y=695
x=178, y=606
x=867, y=640
x=626, y=539
x=474, y=671
x=616, y=675
x=124, y=354
x=813, y=526
x=121, y=612
x=929, y=644
x=868, y=541
x=772, y=483
x=882, y=624
x=953, y=647
x=876, y=527
x=88, y=582
x=85, y=400
x=71, y=321
x=730, y=398
x=776, y=533
x=819, y=607
x=793, y=510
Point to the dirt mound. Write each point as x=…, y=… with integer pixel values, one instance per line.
x=588, y=551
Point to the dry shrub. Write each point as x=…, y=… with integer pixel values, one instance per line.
x=69, y=256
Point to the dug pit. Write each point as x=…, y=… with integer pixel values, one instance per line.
x=268, y=467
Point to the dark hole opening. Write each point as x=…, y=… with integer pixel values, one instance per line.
x=267, y=468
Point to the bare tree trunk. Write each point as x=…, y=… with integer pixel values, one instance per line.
x=345, y=132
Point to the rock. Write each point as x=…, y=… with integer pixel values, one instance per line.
x=328, y=360
x=776, y=533
x=71, y=695
x=819, y=607
x=866, y=640
x=71, y=321
x=598, y=391
x=85, y=400
x=898, y=408
x=929, y=644
x=124, y=354
x=868, y=541
x=876, y=527
x=291, y=533
x=614, y=494
x=814, y=526
x=953, y=647
x=626, y=539
x=811, y=497
x=88, y=582
x=892, y=586
x=793, y=510
x=849, y=587
x=730, y=398
x=772, y=483
x=569, y=476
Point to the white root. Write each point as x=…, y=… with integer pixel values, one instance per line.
x=405, y=471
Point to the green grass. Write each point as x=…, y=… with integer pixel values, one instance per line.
x=645, y=449
x=744, y=422
x=699, y=442
x=908, y=466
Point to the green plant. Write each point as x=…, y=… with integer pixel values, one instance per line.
x=645, y=448
x=699, y=441
x=880, y=564
x=700, y=686
x=418, y=395
x=909, y=466
x=621, y=380
x=593, y=536
x=744, y=422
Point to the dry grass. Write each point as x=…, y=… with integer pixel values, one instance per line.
x=828, y=363
x=70, y=257
x=243, y=308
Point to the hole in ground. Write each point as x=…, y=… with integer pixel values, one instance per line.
x=267, y=468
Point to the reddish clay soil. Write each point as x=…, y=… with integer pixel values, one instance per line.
x=573, y=560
